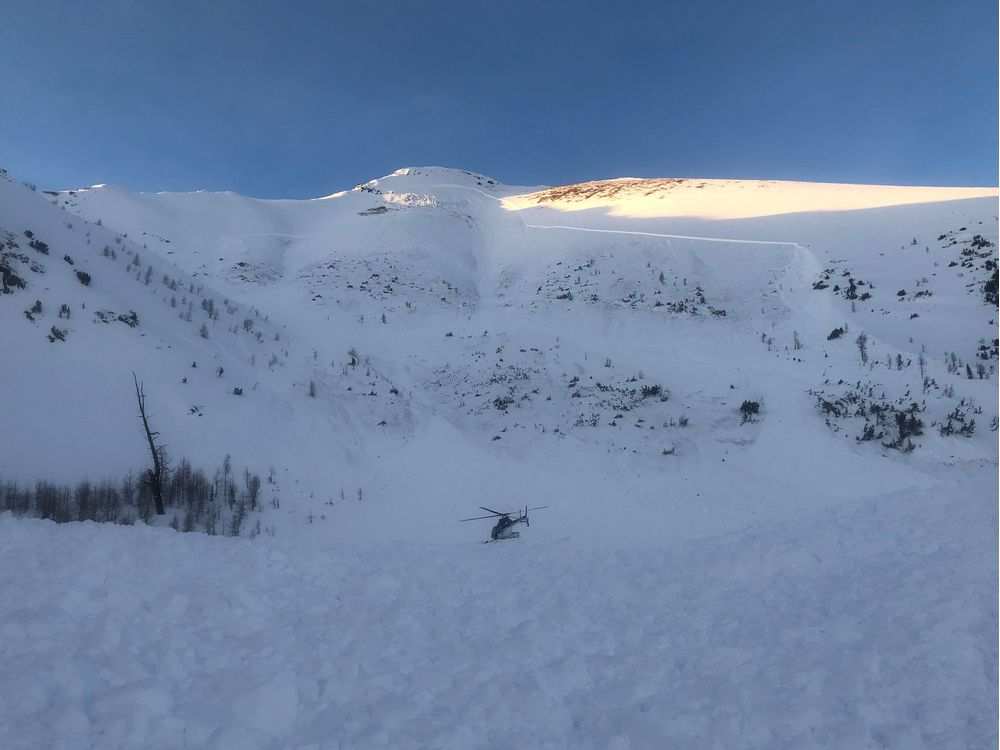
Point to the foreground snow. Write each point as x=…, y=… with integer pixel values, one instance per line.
x=869, y=625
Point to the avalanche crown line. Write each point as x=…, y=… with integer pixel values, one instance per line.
x=665, y=236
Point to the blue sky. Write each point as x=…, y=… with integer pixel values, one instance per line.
x=299, y=99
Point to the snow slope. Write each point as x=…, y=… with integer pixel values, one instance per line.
x=472, y=343
x=731, y=199
x=74, y=415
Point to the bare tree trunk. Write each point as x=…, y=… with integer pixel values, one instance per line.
x=156, y=474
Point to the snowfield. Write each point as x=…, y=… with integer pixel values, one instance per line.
x=763, y=417
x=869, y=625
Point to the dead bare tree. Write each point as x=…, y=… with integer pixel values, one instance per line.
x=155, y=475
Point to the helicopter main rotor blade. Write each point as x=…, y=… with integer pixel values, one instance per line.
x=522, y=515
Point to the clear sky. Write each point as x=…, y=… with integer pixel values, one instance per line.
x=302, y=98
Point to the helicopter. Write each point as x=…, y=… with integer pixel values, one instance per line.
x=504, y=528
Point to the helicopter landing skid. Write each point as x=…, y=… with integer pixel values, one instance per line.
x=511, y=535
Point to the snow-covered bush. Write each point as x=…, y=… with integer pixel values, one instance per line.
x=959, y=422
x=893, y=422
x=749, y=411
x=9, y=278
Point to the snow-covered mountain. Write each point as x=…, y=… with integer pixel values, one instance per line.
x=741, y=382
x=494, y=326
